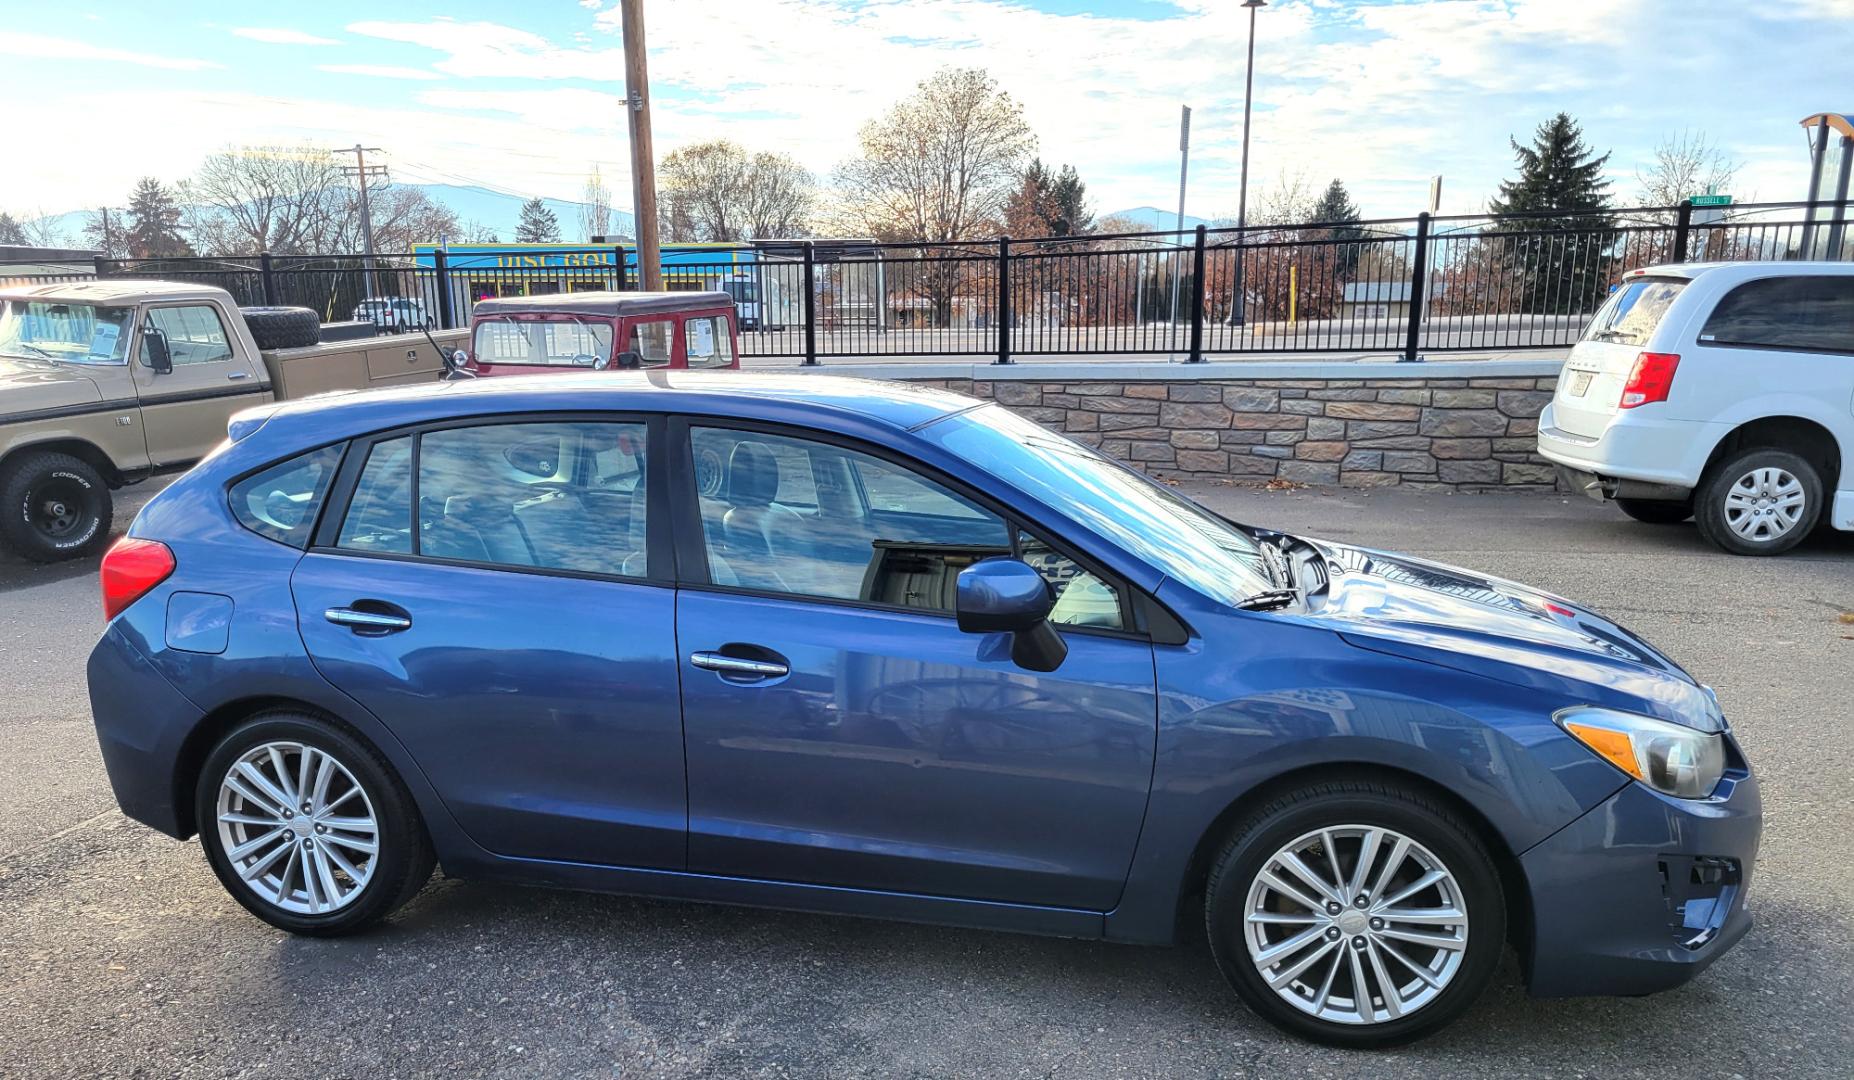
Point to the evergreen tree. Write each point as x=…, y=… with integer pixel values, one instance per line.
x=538, y=224
x=1563, y=271
x=1047, y=203
x=154, y=223
x=11, y=232
x=1068, y=204
x=1335, y=206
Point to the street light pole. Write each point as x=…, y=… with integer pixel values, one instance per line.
x=1184, y=166
x=1242, y=190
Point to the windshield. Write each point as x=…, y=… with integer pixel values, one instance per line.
x=745, y=292
x=73, y=333
x=1634, y=310
x=552, y=340
x=1174, y=534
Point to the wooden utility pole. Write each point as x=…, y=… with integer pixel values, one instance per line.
x=643, y=158
x=362, y=171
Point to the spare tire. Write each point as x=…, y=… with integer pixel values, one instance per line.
x=283, y=327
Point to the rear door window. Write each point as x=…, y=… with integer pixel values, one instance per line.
x=1634, y=310
x=380, y=513
x=1813, y=313
x=281, y=502
x=707, y=342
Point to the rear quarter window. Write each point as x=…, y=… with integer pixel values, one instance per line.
x=1812, y=314
x=280, y=503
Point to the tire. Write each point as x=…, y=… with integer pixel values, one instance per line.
x=1745, y=483
x=53, y=507
x=283, y=327
x=1656, y=511
x=402, y=861
x=1344, y=810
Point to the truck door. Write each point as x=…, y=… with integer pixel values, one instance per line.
x=184, y=408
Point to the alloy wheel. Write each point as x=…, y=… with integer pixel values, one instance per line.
x=1765, y=503
x=1356, y=924
x=297, y=828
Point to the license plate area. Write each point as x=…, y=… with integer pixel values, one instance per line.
x=1580, y=383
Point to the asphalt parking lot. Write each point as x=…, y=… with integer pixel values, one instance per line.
x=121, y=956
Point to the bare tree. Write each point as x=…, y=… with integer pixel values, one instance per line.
x=940, y=165
x=718, y=191
x=1290, y=200
x=31, y=230
x=106, y=230
x=1685, y=164
x=595, y=208
x=402, y=216
x=286, y=200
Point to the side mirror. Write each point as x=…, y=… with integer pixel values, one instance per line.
x=629, y=360
x=1002, y=595
x=160, y=357
x=456, y=364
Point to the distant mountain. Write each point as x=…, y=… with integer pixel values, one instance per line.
x=474, y=206
x=500, y=212
x=1153, y=219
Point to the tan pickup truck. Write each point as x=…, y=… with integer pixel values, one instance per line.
x=104, y=383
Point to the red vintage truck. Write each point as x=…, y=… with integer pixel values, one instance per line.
x=531, y=335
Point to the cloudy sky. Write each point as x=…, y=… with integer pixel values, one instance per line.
x=525, y=96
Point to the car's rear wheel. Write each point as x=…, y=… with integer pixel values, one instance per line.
x=307, y=827
x=53, y=506
x=1356, y=913
x=1759, y=502
x=1656, y=511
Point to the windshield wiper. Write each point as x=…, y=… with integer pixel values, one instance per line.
x=1269, y=600
x=42, y=353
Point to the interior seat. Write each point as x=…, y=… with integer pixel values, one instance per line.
x=759, y=534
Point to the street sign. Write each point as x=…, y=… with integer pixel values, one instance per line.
x=1712, y=200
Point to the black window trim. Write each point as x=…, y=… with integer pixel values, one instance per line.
x=659, y=544
x=1700, y=339
x=1150, y=620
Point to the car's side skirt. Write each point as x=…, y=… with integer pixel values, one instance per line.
x=784, y=895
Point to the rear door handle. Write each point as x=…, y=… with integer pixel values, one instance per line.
x=367, y=621
x=734, y=665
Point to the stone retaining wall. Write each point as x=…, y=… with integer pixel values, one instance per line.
x=1459, y=432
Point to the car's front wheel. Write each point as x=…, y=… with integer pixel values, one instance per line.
x=1356, y=913
x=1759, y=502
x=307, y=827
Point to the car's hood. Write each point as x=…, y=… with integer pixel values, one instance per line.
x=28, y=386
x=1444, y=614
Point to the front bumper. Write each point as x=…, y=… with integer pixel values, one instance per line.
x=1643, y=892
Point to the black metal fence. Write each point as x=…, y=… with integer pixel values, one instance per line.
x=1407, y=285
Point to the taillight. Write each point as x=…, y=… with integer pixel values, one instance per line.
x=130, y=569
x=1650, y=379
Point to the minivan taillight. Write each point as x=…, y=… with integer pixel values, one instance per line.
x=1650, y=379
x=130, y=569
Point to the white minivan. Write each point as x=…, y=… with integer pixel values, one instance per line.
x=1723, y=392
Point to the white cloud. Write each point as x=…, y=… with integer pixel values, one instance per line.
x=379, y=71
x=591, y=5
x=43, y=47
x=485, y=49
x=281, y=36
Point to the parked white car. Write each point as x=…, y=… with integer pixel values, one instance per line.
x=396, y=313
x=1718, y=391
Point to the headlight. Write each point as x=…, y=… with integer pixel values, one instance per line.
x=1667, y=757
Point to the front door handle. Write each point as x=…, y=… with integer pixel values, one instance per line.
x=239, y=375
x=367, y=621
x=734, y=665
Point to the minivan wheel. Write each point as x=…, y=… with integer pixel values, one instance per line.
x=307, y=827
x=1656, y=511
x=1356, y=913
x=1759, y=502
x=53, y=507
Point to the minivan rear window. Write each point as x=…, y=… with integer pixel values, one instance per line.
x=1813, y=313
x=281, y=502
x=1634, y=310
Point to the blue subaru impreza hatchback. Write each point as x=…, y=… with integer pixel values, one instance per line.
x=866, y=648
